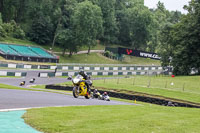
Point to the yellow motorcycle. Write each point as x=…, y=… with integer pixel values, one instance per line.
x=80, y=88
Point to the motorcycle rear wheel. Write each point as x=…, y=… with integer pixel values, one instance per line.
x=75, y=92
x=99, y=97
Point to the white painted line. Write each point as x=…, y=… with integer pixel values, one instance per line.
x=17, y=109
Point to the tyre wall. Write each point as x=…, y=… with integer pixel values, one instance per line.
x=148, y=99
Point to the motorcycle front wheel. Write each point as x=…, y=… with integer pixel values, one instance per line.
x=75, y=92
x=88, y=96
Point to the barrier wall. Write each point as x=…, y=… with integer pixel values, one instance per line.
x=104, y=73
x=86, y=68
x=91, y=69
x=16, y=74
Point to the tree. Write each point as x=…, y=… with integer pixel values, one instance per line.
x=135, y=26
x=41, y=30
x=87, y=23
x=160, y=19
x=62, y=17
x=109, y=21
x=67, y=40
x=185, y=40
x=2, y=31
x=166, y=49
x=175, y=17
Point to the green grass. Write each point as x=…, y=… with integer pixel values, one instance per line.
x=93, y=58
x=114, y=119
x=11, y=87
x=9, y=76
x=10, y=40
x=39, y=86
x=96, y=58
x=185, y=87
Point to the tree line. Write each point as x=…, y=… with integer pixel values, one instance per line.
x=181, y=42
x=71, y=24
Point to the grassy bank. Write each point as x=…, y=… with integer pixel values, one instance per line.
x=96, y=58
x=181, y=87
x=10, y=40
x=93, y=58
x=114, y=119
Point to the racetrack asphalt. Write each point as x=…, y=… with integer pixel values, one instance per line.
x=16, y=99
x=12, y=99
x=38, y=81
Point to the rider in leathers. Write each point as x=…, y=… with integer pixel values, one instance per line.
x=87, y=79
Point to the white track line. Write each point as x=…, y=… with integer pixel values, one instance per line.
x=17, y=109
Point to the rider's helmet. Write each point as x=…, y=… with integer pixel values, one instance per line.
x=81, y=72
x=105, y=93
x=95, y=90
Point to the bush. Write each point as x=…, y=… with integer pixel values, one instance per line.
x=18, y=33
x=113, y=56
x=107, y=53
x=8, y=28
x=2, y=32
x=12, y=30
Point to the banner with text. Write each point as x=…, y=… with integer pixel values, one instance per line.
x=138, y=53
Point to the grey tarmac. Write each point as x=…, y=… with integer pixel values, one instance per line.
x=16, y=99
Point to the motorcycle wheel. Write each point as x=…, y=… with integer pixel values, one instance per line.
x=99, y=97
x=88, y=96
x=75, y=92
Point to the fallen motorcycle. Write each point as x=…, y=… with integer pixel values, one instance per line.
x=105, y=98
x=96, y=95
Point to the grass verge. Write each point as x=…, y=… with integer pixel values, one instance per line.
x=4, y=86
x=114, y=119
x=183, y=88
x=97, y=58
